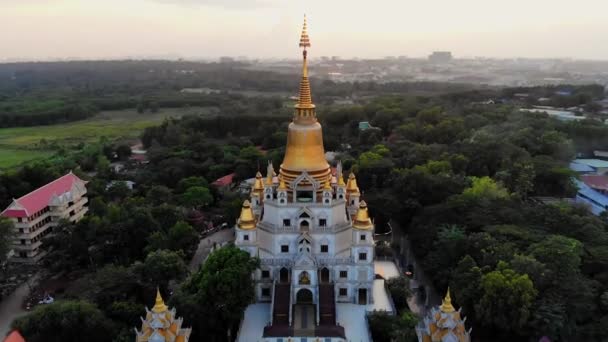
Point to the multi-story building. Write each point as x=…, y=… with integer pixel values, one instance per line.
x=311, y=231
x=35, y=214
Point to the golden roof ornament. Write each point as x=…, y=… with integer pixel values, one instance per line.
x=159, y=306
x=362, y=219
x=246, y=219
x=282, y=185
x=258, y=184
x=327, y=185
x=269, y=173
x=446, y=303
x=305, y=107
x=351, y=185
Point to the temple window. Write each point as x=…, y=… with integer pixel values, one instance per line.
x=265, y=274
x=322, y=222
x=284, y=248
x=304, y=196
x=286, y=222
x=343, y=274
x=304, y=278
x=343, y=292
x=324, y=248
x=265, y=292
x=246, y=237
x=362, y=237
x=362, y=256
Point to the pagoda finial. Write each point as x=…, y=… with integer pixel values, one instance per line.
x=305, y=109
x=446, y=303
x=159, y=306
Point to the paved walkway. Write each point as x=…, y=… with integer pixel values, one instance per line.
x=10, y=307
x=205, y=245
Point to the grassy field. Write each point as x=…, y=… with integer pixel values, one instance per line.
x=22, y=144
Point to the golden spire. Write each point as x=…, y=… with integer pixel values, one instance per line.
x=362, y=219
x=247, y=219
x=351, y=186
x=446, y=303
x=159, y=306
x=258, y=185
x=305, y=109
x=269, y=173
x=341, y=180
x=327, y=186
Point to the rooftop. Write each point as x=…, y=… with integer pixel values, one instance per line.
x=597, y=182
x=577, y=167
x=38, y=199
x=14, y=336
x=223, y=181
x=595, y=163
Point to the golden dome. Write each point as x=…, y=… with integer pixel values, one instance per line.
x=304, y=151
x=351, y=186
x=446, y=303
x=247, y=219
x=362, y=219
x=159, y=306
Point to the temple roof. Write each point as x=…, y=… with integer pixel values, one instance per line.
x=362, y=219
x=246, y=219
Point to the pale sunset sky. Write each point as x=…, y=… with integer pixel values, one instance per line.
x=52, y=29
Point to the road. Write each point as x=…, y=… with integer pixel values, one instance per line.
x=10, y=307
x=205, y=245
x=406, y=256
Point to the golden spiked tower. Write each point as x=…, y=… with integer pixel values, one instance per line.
x=304, y=151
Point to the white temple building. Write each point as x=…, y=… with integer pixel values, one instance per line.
x=311, y=231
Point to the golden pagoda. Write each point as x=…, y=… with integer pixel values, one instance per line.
x=305, y=152
x=351, y=185
x=362, y=219
x=247, y=218
x=161, y=325
x=443, y=324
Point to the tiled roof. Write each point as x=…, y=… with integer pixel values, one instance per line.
x=226, y=180
x=14, y=336
x=592, y=162
x=40, y=198
x=597, y=182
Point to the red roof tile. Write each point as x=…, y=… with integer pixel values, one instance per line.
x=38, y=199
x=597, y=182
x=14, y=336
x=226, y=180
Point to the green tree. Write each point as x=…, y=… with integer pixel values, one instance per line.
x=159, y=194
x=217, y=295
x=506, y=299
x=400, y=291
x=485, y=188
x=189, y=182
x=197, y=196
x=465, y=285
x=182, y=237
x=160, y=267
x=6, y=236
x=65, y=321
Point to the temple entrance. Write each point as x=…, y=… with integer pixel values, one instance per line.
x=304, y=296
x=362, y=296
x=324, y=275
x=284, y=275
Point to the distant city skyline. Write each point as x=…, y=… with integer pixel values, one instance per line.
x=111, y=29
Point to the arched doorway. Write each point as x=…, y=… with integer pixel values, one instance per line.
x=324, y=275
x=304, y=226
x=304, y=296
x=284, y=275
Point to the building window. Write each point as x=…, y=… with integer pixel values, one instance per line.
x=322, y=222
x=21, y=230
x=19, y=220
x=265, y=292
x=362, y=256
x=287, y=222
x=284, y=248
x=324, y=248
x=362, y=237
x=246, y=237
x=22, y=241
x=343, y=292
x=343, y=274
x=352, y=202
x=265, y=274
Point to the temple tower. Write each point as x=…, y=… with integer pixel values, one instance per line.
x=161, y=325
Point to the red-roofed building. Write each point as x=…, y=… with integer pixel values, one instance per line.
x=36, y=213
x=14, y=336
x=224, y=183
x=596, y=182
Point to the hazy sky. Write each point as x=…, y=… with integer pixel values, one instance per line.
x=43, y=29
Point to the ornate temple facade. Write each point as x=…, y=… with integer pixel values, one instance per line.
x=310, y=229
x=443, y=324
x=161, y=325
